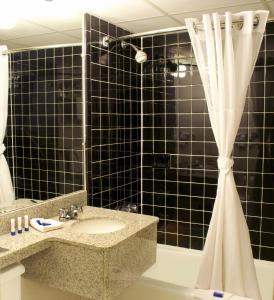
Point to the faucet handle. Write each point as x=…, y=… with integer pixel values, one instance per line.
x=69, y=213
x=62, y=214
x=76, y=207
x=80, y=208
x=74, y=210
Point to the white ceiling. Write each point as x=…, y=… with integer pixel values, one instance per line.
x=37, y=26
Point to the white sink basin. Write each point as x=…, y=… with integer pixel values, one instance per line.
x=97, y=225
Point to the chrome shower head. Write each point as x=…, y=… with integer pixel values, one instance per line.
x=140, y=56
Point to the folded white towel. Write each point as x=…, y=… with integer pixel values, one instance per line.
x=45, y=225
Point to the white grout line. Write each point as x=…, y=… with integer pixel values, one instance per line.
x=84, y=50
x=142, y=130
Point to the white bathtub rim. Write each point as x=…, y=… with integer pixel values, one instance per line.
x=180, y=267
x=199, y=253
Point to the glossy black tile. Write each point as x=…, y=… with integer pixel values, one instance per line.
x=113, y=115
x=179, y=125
x=43, y=149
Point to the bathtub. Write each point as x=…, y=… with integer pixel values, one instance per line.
x=174, y=275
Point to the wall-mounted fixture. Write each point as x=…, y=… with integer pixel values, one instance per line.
x=140, y=56
x=181, y=71
x=184, y=58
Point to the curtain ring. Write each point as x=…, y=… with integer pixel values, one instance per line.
x=255, y=23
x=240, y=25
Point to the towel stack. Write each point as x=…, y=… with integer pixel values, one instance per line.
x=44, y=225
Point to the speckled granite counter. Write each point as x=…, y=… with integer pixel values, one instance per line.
x=97, y=266
x=44, y=209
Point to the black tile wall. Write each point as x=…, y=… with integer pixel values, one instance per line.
x=44, y=132
x=182, y=192
x=179, y=152
x=113, y=118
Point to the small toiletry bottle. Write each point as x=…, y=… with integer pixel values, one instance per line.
x=26, y=222
x=19, y=224
x=12, y=227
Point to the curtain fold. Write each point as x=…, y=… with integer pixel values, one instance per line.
x=226, y=59
x=6, y=189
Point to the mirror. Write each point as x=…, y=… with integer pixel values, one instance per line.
x=44, y=131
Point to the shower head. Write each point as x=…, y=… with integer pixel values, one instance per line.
x=140, y=56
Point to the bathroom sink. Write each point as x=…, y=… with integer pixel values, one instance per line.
x=97, y=225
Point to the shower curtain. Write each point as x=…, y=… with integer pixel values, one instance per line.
x=6, y=189
x=226, y=58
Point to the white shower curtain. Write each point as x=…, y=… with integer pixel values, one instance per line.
x=226, y=59
x=6, y=189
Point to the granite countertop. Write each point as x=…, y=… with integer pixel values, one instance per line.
x=29, y=243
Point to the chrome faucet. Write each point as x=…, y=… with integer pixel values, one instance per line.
x=70, y=213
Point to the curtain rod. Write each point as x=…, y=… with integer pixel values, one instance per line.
x=107, y=40
x=40, y=48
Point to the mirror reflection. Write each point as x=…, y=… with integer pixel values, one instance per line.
x=41, y=132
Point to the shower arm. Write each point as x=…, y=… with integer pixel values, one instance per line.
x=124, y=44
